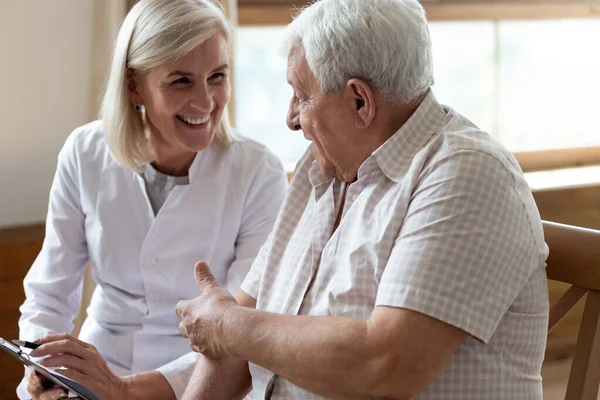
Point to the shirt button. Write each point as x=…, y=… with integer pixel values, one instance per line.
x=150, y=260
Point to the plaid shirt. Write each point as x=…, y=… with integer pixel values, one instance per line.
x=439, y=221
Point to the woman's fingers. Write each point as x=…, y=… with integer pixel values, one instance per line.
x=36, y=388
x=78, y=377
x=63, y=346
x=82, y=363
x=53, y=394
x=71, y=362
x=63, y=336
x=34, y=383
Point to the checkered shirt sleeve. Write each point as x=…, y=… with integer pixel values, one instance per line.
x=462, y=254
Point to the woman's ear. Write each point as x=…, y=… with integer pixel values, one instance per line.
x=132, y=82
x=363, y=102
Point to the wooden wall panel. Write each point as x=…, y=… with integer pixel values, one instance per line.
x=10, y=368
x=18, y=249
x=12, y=295
x=8, y=322
x=15, y=263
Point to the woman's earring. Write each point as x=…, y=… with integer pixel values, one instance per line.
x=139, y=108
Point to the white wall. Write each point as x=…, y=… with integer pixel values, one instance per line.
x=46, y=91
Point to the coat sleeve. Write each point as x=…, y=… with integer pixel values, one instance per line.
x=261, y=208
x=53, y=285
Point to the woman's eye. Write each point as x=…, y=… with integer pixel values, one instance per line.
x=218, y=76
x=181, y=81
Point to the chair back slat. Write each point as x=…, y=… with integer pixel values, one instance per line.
x=584, y=379
x=564, y=305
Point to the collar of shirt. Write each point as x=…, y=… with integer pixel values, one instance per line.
x=151, y=175
x=395, y=156
x=201, y=157
x=315, y=176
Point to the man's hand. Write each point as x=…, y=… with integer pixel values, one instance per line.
x=202, y=318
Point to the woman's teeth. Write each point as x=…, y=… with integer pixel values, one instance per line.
x=194, y=121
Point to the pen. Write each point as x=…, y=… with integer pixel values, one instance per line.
x=26, y=344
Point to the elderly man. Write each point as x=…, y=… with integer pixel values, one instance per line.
x=408, y=260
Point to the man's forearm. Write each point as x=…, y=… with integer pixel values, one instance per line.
x=227, y=379
x=330, y=356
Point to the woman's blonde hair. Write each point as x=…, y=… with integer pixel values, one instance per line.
x=154, y=33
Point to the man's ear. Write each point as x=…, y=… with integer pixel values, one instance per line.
x=132, y=83
x=363, y=102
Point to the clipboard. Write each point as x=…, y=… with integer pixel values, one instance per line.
x=59, y=379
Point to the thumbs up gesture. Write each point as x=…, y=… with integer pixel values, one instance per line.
x=202, y=318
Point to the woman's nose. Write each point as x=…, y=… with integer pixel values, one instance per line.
x=202, y=100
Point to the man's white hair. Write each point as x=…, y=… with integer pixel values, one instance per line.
x=384, y=42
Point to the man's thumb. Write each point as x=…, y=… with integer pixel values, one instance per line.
x=204, y=278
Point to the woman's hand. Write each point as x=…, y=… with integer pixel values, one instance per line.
x=38, y=391
x=83, y=364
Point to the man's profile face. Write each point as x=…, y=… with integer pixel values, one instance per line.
x=324, y=118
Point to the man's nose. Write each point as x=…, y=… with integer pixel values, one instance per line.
x=293, y=118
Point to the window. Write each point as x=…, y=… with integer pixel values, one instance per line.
x=549, y=84
x=533, y=85
x=262, y=93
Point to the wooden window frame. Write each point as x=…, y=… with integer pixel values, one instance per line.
x=280, y=12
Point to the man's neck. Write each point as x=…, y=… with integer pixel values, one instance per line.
x=377, y=135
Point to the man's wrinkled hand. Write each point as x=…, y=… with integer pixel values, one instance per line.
x=202, y=318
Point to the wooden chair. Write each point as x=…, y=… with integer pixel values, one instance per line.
x=575, y=259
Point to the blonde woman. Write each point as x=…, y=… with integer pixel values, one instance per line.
x=159, y=183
